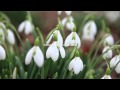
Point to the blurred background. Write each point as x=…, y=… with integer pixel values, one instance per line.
x=47, y=20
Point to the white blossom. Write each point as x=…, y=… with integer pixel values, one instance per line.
x=76, y=65
x=90, y=28
x=115, y=62
x=109, y=40
x=10, y=37
x=2, y=53
x=68, y=12
x=73, y=40
x=68, y=23
x=53, y=51
x=59, y=37
x=36, y=53
x=27, y=26
x=108, y=54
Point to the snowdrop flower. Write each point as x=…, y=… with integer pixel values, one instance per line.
x=68, y=12
x=108, y=54
x=115, y=61
x=27, y=26
x=53, y=51
x=76, y=64
x=68, y=23
x=112, y=16
x=109, y=40
x=73, y=40
x=59, y=37
x=35, y=53
x=106, y=77
x=89, y=31
x=90, y=28
x=2, y=53
x=10, y=37
x=59, y=12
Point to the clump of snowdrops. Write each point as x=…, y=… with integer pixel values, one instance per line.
x=57, y=56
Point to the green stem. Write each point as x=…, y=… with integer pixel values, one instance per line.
x=33, y=72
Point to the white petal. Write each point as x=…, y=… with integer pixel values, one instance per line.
x=89, y=37
x=117, y=69
x=106, y=77
x=10, y=37
x=29, y=55
x=2, y=53
x=21, y=26
x=70, y=25
x=2, y=25
x=54, y=53
x=78, y=40
x=62, y=52
x=71, y=65
x=108, y=54
x=78, y=65
x=48, y=41
x=68, y=39
x=114, y=61
x=60, y=39
x=2, y=33
x=91, y=27
x=59, y=12
x=68, y=12
x=109, y=40
x=28, y=27
x=38, y=57
x=64, y=21
x=48, y=52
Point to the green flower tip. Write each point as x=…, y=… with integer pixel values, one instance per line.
x=108, y=71
x=37, y=41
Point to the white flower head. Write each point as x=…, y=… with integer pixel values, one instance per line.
x=2, y=53
x=76, y=65
x=109, y=40
x=68, y=23
x=73, y=40
x=68, y=12
x=36, y=53
x=115, y=62
x=59, y=12
x=53, y=51
x=90, y=28
x=10, y=37
x=106, y=77
x=59, y=37
x=108, y=54
x=27, y=26
x=112, y=16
